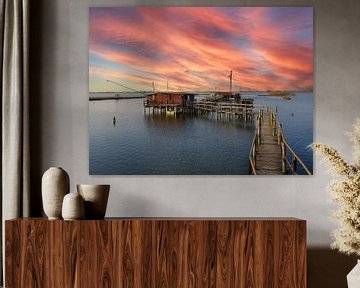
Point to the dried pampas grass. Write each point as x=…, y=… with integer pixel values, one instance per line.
x=345, y=192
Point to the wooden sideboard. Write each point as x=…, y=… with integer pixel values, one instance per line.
x=156, y=252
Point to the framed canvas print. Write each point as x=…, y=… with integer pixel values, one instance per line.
x=200, y=90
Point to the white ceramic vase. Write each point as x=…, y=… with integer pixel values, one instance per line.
x=73, y=207
x=55, y=185
x=353, y=278
x=96, y=198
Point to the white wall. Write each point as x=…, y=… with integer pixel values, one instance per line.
x=59, y=121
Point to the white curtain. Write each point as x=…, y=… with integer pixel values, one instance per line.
x=14, y=39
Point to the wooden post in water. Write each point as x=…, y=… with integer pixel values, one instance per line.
x=274, y=124
x=294, y=164
x=279, y=133
x=283, y=158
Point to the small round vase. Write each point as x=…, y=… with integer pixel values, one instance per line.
x=96, y=198
x=73, y=207
x=55, y=185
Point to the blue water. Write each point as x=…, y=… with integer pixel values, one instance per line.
x=296, y=116
x=140, y=144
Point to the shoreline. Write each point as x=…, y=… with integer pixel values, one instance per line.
x=99, y=98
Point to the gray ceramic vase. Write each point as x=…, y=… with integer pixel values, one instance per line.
x=73, y=207
x=55, y=185
x=96, y=198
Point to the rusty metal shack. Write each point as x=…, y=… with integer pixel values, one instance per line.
x=169, y=101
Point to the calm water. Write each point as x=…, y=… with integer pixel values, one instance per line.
x=139, y=144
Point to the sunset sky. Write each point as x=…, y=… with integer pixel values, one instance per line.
x=194, y=48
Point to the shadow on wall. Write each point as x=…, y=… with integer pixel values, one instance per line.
x=139, y=207
x=328, y=268
x=35, y=81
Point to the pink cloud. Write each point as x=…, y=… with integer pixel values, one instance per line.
x=158, y=45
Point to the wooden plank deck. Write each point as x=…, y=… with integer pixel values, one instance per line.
x=268, y=153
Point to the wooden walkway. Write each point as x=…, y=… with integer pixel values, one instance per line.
x=268, y=154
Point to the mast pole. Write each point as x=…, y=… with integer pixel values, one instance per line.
x=231, y=78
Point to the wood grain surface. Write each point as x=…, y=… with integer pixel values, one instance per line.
x=156, y=253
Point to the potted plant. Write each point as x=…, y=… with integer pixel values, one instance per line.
x=345, y=192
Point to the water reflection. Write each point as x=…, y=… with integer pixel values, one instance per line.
x=172, y=121
x=124, y=140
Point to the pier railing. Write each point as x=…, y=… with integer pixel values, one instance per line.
x=290, y=161
x=252, y=154
x=228, y=107
x=294, y=158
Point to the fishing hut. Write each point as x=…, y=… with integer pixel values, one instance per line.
x=222, y=96
x=169, y=102
x=228, y=97
x=226, y=105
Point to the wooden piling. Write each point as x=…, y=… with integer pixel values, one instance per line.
x=283, y=158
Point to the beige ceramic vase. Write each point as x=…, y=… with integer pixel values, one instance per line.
x=55, y=185
x=353, y=278
x=73, y=207
x=96, y=198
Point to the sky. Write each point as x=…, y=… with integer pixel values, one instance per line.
x=195, y=48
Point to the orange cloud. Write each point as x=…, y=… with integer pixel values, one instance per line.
x=195, y=48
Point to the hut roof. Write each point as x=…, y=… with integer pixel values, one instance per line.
x=172, y=93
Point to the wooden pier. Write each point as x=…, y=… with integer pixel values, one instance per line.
x=270, y=154
x=228, y=110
